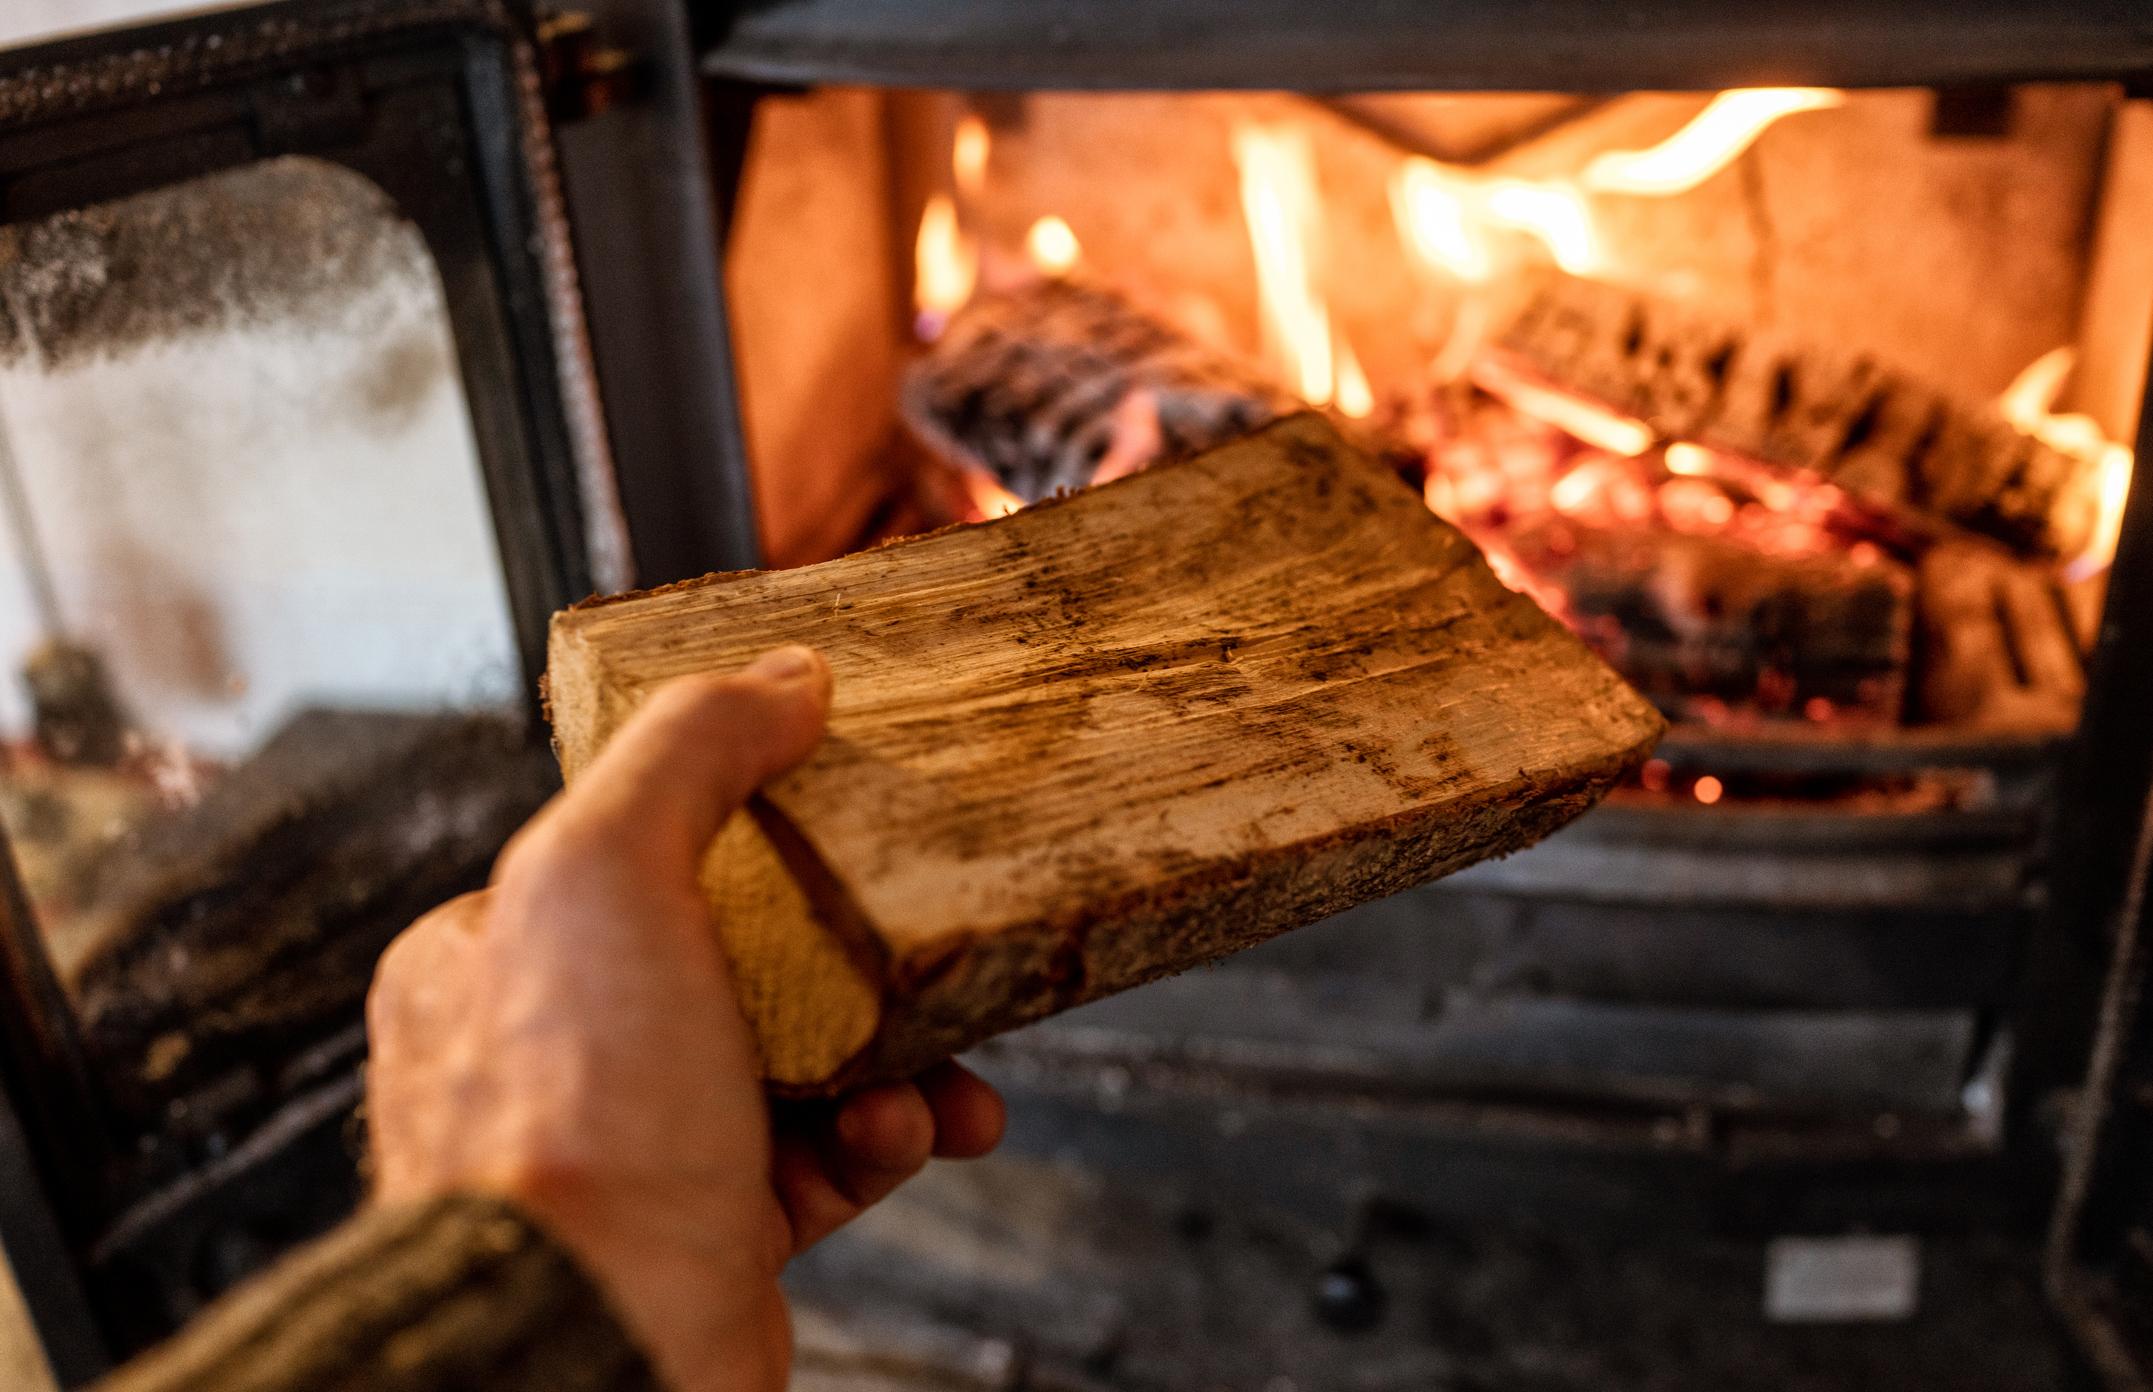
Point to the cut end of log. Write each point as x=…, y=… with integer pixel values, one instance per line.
x=1107, y=738
x=812, y=1006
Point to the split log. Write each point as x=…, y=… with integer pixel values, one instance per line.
x=1695, y=621
x=1886, y=438
x=1107, y=738
x=1042, y=385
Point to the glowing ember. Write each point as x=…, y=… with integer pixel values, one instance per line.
x=945, y=263
x=1053, y=246
x=1691, y=461
x=1711, y=141
x=1587, y=420
x=2029, y=403
x=1708, y=790
x=968, y=156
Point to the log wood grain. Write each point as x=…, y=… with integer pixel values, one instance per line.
x=1107, y=738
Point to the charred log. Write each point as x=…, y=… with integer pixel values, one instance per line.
x=1699, y=623
x=1886, y=438
x=1998, y=643
x=1044, y=385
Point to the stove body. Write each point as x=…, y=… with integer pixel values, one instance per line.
x=1806, y=1016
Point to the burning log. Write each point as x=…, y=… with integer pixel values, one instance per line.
x=1057, y=385
x=1108, y=738
x=1999, y=647
x=1885, y=438
x=1699, y=623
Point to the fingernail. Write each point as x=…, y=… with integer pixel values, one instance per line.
x=789, y=663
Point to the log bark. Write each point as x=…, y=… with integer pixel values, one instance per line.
x=1108, y=738
x=1889, y=440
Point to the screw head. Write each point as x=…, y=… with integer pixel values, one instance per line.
x=1348, y=1298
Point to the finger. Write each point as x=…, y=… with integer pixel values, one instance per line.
x=421, y=972
x=884, y=1135
x=829, y=1167
x=421, y=987
x=814, y=1208
x=968, y=1113
x=687, y=760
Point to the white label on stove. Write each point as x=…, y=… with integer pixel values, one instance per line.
x=1814, y=1280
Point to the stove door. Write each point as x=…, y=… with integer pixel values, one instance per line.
x=305, y=453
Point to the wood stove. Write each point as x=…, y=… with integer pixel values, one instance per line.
x=727, y=284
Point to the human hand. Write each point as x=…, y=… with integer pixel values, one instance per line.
x=569, y=1039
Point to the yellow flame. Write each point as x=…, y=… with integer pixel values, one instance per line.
x=1280, y=202
x=2029, y=403
x=1711, y=141
x=945, y=264
x=2112, y=491
x=968, y=155
x=1437, y=220
x=1356, y=400
x=1555, y=214
x=1052, y=245
x=2026, y=403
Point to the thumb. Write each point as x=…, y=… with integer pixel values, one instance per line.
x=671, y=776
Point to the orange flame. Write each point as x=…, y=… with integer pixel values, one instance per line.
x=989, y=499
x=1280, y=202
x=1052, y=244
x=968, y=156
x=1711, y=141
x=2029, y=403
x=945, y=263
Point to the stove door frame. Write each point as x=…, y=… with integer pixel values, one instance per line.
x=441, y=104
